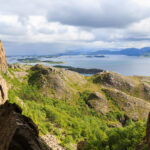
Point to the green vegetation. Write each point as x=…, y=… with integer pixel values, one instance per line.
x=53, y=62
x=73, y=121
x=80, y=70
x=29, y=60
x=35, y=60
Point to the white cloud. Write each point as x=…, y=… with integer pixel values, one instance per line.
x=98, y=13
x=92, y=24
x=54, y=31
x=37, y=29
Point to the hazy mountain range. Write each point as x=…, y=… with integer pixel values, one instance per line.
x=128, y=51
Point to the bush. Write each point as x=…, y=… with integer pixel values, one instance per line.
x=77, y=121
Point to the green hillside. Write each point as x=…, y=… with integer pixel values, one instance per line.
x=107, y=111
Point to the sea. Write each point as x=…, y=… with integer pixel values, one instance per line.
x=125, y=65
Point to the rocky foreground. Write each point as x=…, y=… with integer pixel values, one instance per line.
x=18, y=132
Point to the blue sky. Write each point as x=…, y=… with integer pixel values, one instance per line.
x=54, y=26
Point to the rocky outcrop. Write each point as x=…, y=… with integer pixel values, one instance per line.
x=98, y=102
x=115, y=80
x=134, y=108
x=145, y=91
x=134, y=86
x=19, y=66
x=49, y=81
x=3, y=61
x=3, y=91
x=148, y=132
x=18, y=132
x=3, y=68
x=52, y=141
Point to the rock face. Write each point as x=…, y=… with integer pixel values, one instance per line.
x=49, y=81
x=98, y=102
x=148, y=132
x=3, y=61
x=133, y=107
x=17, y=131
x=145, y=91
x=52, y=141
x=115, y=80
x=3, y=91
x=3, y=68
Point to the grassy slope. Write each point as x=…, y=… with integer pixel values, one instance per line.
x=71, y=120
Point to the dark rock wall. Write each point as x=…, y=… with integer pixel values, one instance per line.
x=18, y=132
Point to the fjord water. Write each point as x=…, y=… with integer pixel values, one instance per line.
x=125, y=65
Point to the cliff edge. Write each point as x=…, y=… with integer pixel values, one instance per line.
x=3, y=60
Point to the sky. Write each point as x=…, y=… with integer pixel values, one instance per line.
x=35, y=27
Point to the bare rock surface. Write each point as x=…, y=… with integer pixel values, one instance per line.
x=20, y=74
x=148, y=132
x=3, y=90
x=115, y=80
x=50, y=81
x=3, y=61
x=133, y=107
x=52, y=141
x=98, y=102
x=17, y=131
x=19, y=66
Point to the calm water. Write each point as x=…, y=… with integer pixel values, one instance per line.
x=126, y=65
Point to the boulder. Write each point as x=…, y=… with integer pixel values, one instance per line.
x=17, y=131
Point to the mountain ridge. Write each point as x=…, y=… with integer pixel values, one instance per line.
x=145, y=51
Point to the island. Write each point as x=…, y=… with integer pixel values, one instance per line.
x=97, y=56
x=35, y=60
x=80, y=70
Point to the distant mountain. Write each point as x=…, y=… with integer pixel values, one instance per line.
x=75, y=52
x=128, y=51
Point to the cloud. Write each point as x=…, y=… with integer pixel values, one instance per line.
x=10, y=25
x=37, y=29
x=59, y=25
x=55, y=31
x=97, y=13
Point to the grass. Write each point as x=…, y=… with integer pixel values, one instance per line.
x=74, y=121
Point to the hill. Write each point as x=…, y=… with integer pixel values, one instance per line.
x=104, y=110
